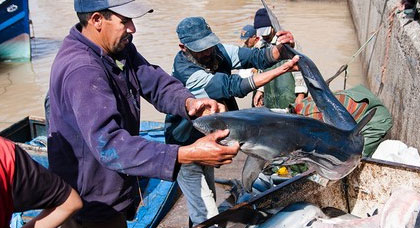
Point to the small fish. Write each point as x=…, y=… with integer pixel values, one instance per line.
x=297, y=215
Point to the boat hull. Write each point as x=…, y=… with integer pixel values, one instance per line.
x=367, y=188
x=14, y=30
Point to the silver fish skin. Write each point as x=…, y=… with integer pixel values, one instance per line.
x=266, y=136
x=297, y=215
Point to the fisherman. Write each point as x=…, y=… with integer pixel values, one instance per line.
x=285, y=90
x=249, y=36
x=250, y=40
x=358, y=101
x=97, y=79
x=26, y=185
x=204, y=66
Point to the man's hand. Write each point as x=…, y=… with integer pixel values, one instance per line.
x=266, y=77
x=290, y=65
x=203, y=106
x=207, y=151
x=285, y=37
x=259, y=99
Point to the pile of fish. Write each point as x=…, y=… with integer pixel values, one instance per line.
x=333, y=148
x=400, y=210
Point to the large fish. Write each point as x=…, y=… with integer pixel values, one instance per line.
x=333, y=148
x=267, y=136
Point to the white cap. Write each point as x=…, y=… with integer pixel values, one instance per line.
x=264, y=31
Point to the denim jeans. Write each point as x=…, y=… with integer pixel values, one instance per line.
x=197, y=185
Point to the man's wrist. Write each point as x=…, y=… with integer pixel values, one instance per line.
x=188, y=106
x=183, y=152
x=187, y=103
x=281, y=49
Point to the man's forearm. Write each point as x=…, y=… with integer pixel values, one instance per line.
x=54, y=217
x=276, y=51
x=265, y=77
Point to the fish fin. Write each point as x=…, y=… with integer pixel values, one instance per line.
x=364, y=121
x=314, y=83
x=252, y=168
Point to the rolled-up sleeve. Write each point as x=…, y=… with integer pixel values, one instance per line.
x=218, y=85
x=243, y=58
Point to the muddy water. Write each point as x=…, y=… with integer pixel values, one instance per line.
x=322, y=28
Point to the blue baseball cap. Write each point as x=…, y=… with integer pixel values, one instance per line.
x=126, y=8
x=247, y=32
x=196, y=34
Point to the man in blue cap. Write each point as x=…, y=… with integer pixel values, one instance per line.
x=251, y=40
x=97, y=79
x=204, y=66
x=249, y=36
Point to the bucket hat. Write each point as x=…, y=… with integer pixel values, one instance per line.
x=196, y=34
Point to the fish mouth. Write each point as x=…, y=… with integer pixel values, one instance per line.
x=337, y=173
x=208, y=124
x=326, y=165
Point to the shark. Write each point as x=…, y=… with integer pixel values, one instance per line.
x=267, y=136
x=332, y=147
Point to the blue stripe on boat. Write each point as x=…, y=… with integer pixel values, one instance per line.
x=12, y=20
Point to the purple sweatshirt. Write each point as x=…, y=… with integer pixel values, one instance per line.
x=93, y=141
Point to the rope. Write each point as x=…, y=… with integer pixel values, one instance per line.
x=344, y=67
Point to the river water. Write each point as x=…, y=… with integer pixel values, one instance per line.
x=323, y=29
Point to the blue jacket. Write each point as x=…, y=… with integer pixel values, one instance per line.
x=93, y=141
x=220, y=85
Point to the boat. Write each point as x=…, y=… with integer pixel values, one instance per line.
x=158, y=195
x=14, y=30
x=362, y=192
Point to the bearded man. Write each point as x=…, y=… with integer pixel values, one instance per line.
x=204, y=66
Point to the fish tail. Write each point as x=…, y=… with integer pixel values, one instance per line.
x=363, y=122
